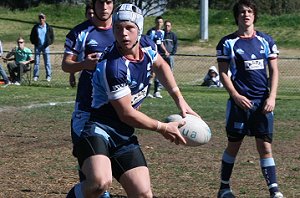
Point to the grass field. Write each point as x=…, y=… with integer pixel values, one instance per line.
x=36, y=159
x=35, y=143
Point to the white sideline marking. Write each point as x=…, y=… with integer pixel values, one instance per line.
x=8, y=108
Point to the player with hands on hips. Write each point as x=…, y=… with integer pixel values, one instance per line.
x=107, y=146
x=251, y=56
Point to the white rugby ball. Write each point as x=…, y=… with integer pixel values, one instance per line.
x=195, y=131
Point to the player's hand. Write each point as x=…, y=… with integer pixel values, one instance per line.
x=72, y=80
x=269, y=105
x=170, y=132
x=185, y=108
x=91, y=61
x=243, y=102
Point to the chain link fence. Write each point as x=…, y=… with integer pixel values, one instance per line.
x=188, y=70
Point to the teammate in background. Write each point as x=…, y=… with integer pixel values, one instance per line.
x=157, y=34
x=170, y=42
x=42, y=36
x=248, y=54
x=107, y=146
x=89, y=14
x=88, y=39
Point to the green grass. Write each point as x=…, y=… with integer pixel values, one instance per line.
x=209, y=103
x=284, y=28
x=38, y=146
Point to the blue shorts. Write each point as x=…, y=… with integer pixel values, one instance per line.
x=252, y=122
x=100, y=139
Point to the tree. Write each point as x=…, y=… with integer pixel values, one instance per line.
x=19, y=4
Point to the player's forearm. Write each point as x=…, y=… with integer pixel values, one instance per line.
x=140, y=120
x=71, y=66
x=274, y=84
x=227, y=83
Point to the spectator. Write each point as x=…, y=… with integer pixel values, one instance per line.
x=2, y=71
x=157, y=34
x=89, y=14
x=107, y=146
x=83, y=47
x=170, y=42
x=212, y=78
x=22, y=56
x=42, y=36
x=251, y=56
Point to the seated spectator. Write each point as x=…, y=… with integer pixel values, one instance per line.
x=2, y=71
x=212, y=78
x=22, y=56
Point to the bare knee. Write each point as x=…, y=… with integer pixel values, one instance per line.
x=264, y=148
x=147, y=194
x=102, y=185
x=97, y=186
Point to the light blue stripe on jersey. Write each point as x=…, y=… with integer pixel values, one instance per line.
x=229, y=52
x=99, y=97
x=267, y=162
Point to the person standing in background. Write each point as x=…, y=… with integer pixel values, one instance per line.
x=42, y=36
x=157, y=34
x=170, y=42
x=250, y=55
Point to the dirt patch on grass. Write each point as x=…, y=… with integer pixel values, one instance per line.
x=36, y=161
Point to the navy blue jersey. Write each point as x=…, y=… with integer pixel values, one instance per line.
x=158, y=37
x=82, y=40
x=248, y=60
x=116, y=77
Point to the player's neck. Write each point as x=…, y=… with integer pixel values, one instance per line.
x=134, y=55
x=246, y=32
x=103, y=24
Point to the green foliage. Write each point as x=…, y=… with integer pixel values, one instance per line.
x=63, y=17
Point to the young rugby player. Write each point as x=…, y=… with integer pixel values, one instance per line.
x=250, y=55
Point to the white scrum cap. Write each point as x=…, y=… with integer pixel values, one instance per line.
x=129, y=12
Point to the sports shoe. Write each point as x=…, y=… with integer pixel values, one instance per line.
x=277, y=195
x=17, y=83
x=157, y=95
x=48, y=78
x=6, y=84
x=35, y=79
x=226, y=193
x=150, y=96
